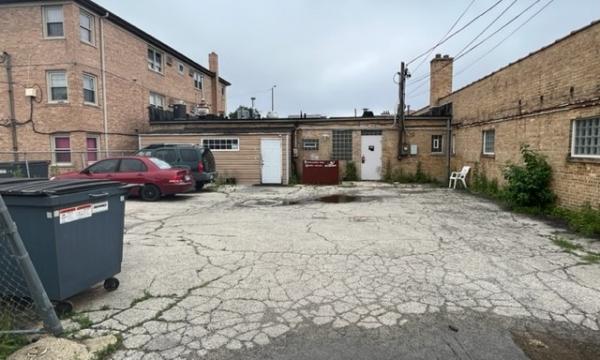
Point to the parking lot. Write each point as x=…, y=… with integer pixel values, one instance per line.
x=358, y=272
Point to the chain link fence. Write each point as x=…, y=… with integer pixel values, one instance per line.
x=24, y=304
x=50, y=163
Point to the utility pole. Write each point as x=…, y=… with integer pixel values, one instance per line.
x=401, y=109
x=6, y=59
x=252, y=99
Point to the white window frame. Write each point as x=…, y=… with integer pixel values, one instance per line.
x=180, y=68
x=45, y=21
x=92, y=136
x=198, y=78
x=221, y=139
x=152, y=63
x=49, y=87
x=155, y=95
x=92, y=28
x=55, y=149
x=440, y=147
x=485, y=141
x=311, y=147
x=95, y=89
x=574, y=137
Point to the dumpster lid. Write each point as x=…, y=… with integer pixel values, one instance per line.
x=40, y=187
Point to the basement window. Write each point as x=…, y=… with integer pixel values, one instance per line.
x=53, y=21
x=437, y=144
x=342, y=145
x=310, y=144
x=489, y=142
x=586, y=138
x=222, y=144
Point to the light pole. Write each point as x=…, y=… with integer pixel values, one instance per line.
x=273, y=98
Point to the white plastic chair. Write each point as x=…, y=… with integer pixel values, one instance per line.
x=459, y=176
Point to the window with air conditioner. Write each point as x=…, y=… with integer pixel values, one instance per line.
x=437, y=144
x=53, y=21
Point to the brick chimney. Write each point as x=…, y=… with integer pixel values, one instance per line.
x=440, y=79
x=213, y=66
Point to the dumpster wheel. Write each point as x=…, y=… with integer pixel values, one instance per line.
x=63, y=308
x=111, y=284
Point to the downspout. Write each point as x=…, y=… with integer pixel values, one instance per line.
x=449, y=156
x=103, y=69
x=6, y=59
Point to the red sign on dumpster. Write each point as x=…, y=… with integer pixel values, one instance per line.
x=321, y=172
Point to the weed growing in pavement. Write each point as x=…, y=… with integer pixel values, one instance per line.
x=110, y=349
x=351, y=173
x=144, y=297
x=9, y=343
x=399, y=176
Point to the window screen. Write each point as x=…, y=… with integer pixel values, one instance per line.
x=342, y=145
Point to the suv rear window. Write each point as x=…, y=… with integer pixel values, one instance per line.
x=161, y=164
x=188, y=155
x=168, y=155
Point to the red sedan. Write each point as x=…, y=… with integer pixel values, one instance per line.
x=157, y=177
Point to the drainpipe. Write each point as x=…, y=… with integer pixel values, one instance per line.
x=104, y=99
x=6, y=59
x=449, y=156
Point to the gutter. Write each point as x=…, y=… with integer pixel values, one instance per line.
x=6, y=59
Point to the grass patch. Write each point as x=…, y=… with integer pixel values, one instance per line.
x=566, y=244
x=109, y=350
x=399, y=176
x=9, y=343
x=83, y=321
x=144, y=297
x=591, y=258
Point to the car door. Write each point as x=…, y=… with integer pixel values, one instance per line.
x=103, y=170
x=132, y=171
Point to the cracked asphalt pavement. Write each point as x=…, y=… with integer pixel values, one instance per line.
x=402, y=272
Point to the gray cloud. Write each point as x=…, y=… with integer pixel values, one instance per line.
x=332, y=56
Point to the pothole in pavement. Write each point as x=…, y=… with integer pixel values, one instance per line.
x=329, y=199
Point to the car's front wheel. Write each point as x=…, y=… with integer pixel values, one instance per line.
x=150, y=192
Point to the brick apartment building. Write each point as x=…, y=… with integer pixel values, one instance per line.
x=83, y=80
x=549, y=100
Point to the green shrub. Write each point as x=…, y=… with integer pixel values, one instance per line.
x=528, y=185
x=351, y=173
x=398, y=176
x=481, y=184
x=585, y=220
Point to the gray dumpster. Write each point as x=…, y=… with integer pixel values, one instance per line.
x=72, y=229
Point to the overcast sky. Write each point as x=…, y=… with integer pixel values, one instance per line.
x=330, y=57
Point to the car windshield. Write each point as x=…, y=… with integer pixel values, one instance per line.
x=161, y=164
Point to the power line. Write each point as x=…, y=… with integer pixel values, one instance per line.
x=456, y=32
x=425, y=77
x=505, y=38
x=495, y=46
x=487, y=27
x=444, y=37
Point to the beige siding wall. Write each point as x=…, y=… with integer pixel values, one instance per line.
x=243, y=165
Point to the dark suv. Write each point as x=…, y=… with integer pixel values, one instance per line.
x=199, y=160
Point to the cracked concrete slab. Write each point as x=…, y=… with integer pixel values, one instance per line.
x=231, y=272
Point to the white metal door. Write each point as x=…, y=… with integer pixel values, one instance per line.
x=371, y=157
x=270, y=154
